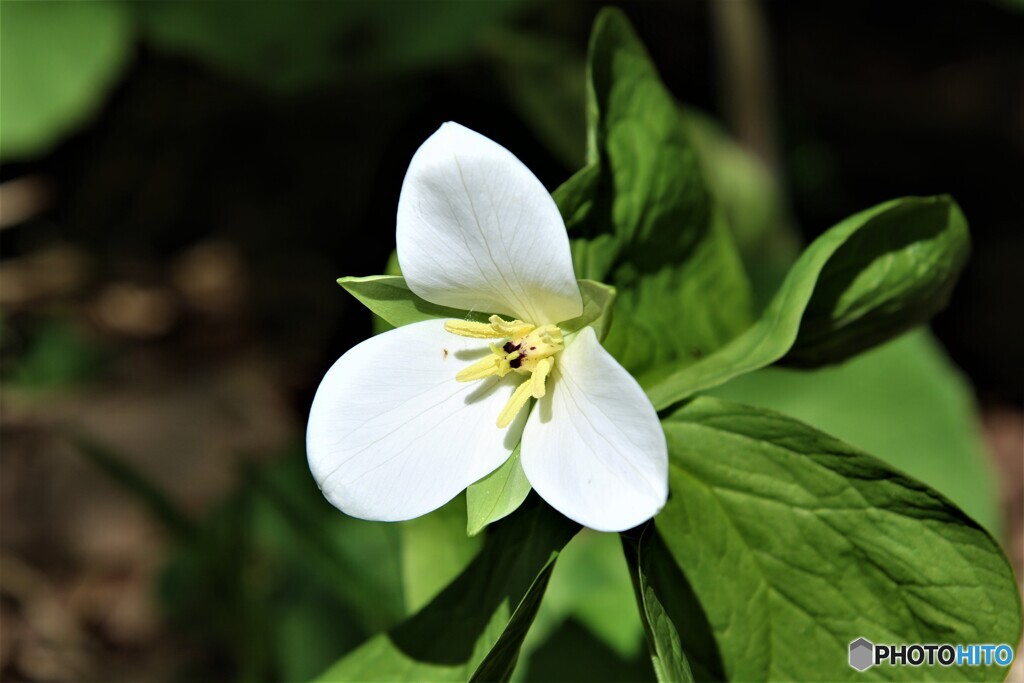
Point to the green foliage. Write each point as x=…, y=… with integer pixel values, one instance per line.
x=497, y=495
x=57, y=62
x=904, y=403
x=290, y=47
x=822, y=544
x=473, y=630
x=894, y=273
x=907, y=235
x=659, y=590
x=644, y=219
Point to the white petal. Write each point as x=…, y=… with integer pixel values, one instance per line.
x=478, y=231
x=392, y=435
x=593, y=447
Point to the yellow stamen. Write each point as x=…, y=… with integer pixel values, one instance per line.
x=515, y=404
x=513, y=329
x=496, y=329
x=481, y=369
x=465, y=328
x=529, y=350
x=540, y=374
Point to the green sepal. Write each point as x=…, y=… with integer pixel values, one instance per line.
x=497, y=495
x=389, y=297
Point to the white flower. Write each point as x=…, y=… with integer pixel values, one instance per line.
x=406, y=420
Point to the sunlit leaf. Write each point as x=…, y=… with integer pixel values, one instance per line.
x=796, y=544
x=840, y=298
x=903, y=402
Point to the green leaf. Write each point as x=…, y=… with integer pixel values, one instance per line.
x=643, y=219
x=664, y=599
x=893, y=274
x=473, y=630
x=497, y=495
x=58, y=60
x=903, y=402
x=671, y=318
x=389, y=297
x=898, y=232
x=796, y=544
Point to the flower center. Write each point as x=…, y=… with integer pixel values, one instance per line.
x=528, y=350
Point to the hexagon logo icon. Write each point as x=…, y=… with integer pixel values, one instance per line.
x=862, y=654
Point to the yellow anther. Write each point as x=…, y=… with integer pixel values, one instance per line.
x=537, y=379
x=496, y=328
x=515, y=404
x=465, y=328
x=513, y=329
x=528, y=350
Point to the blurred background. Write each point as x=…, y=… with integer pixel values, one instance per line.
x=183, y=182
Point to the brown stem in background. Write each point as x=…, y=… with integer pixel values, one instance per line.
x=745, y=77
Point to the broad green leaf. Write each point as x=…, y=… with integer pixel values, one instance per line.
x=290, y=47
x=671, y=318
x=642, y=218
x=497, y=495
x=893, y=274
x=796, y=544
x=897, y=232
x=667, y=602
x=389, y=297
x=903, y=402
x=58, y=60
x=473, y=630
